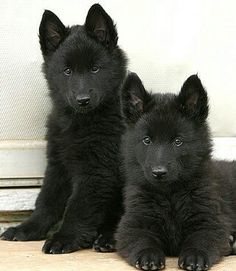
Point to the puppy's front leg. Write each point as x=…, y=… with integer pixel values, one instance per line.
x=205, y=244
x=84, y=213
x=138, y=244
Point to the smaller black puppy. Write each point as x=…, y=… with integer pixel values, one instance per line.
x=178, y=200
x=85, y=69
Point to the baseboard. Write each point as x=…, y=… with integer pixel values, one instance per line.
x=22, y=159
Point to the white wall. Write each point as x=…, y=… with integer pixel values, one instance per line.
x=166, y=41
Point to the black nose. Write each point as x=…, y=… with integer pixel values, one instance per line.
x=159, y=171
x=83, y=100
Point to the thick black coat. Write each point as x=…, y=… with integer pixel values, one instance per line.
x=84, y=69
x=178, y=200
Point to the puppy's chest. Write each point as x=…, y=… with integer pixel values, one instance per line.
x=173, y=215
x=173, y=230
x=90, y=145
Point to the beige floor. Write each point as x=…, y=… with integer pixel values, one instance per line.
x=28, y=256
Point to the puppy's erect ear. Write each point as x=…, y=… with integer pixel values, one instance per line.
x=134, y=98
x=193, y=99
x=51, y=32
x=99, y=25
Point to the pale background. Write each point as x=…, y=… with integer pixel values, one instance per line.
x=165, y=40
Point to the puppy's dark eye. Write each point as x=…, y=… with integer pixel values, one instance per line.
x=178, y=142
x=147, y=140
x=67, y=71
x=95, y=69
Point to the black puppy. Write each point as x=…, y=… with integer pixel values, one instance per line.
x=178, y=200
x=85, y=69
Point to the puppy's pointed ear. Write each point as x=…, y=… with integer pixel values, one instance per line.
x=193, y=100
x=134, y=98
x=51, y=32
x=99, y=25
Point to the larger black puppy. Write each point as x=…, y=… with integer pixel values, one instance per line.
x=84, y=68
x=179, y=201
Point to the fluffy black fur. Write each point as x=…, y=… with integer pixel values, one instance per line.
x=85, y=69
x=178, y=200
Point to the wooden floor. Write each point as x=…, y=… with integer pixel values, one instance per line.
x=28, y=256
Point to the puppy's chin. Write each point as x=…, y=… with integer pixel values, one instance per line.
x=157, y=181
x=81, y=109
x=84, y=109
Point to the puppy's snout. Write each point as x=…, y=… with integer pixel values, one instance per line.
x=83, y=100
x=159, y=172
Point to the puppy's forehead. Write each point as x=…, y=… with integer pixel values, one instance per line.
x=164, y=110
x=162, y=124
x=80, y=49
x=164, y=121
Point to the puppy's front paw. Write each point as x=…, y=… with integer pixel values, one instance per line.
x=194, y=260
x=150, y=259
x=60, y=244
x=26, y=232
x=10, y=234
x=104, y=243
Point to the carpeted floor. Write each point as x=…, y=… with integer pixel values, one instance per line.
x=28, y=256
